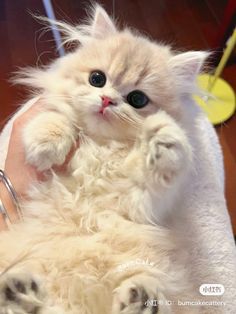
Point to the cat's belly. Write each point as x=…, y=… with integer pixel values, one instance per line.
x=80, y=231
x=70, y=262
x=83, y=208
x=99, y=181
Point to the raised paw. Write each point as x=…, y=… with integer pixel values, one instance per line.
x=134, y=297
x=167, y=146
x=48, y=138
x=20, y=293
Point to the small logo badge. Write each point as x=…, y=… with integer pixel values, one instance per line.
x=212, y=289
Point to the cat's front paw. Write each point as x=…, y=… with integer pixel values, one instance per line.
x=134, y=296
x=48, y=139
x=168, y=149
x=20, y=293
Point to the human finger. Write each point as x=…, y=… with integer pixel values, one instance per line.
x=3, y=224
x=62, y=168
x=32, y=111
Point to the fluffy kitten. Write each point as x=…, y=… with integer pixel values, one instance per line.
x=121, y=95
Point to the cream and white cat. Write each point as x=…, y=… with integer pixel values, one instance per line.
x=120, y=95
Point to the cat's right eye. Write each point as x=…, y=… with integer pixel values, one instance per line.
x=97, y=79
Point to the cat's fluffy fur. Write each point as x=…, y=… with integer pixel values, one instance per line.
x=122, y=184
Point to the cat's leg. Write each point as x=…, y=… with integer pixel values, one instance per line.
x=167, y=149
x=161, y=154
x=139, y=295
x=158, y=164
x=48, y=138
x=142, y=294
x=23, y=293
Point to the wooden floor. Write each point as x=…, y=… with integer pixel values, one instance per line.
x=186, y=24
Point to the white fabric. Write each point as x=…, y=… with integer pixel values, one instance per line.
x=210, y=237
x=209, y=234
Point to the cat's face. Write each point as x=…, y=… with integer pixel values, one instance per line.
x=116, y=82
x=117, y=78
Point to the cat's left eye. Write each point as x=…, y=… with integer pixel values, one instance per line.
x=97, y=79
x=137, y=99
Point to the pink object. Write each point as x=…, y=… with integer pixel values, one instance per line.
x=106, y=101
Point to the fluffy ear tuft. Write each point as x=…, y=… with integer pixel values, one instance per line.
x=102, y=24
x=98, y=25
x=187, y=65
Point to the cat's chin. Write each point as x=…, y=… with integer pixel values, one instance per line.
x=104, y=116
x=104, y=127
x=99, y=125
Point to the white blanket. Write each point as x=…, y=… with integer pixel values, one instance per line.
x=209, y=234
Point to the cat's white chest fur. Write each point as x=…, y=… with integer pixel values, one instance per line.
x=102, y=180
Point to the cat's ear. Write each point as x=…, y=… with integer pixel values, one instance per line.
x=186, y=66
x=102, y=24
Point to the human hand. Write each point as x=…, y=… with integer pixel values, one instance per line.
x=20, y=173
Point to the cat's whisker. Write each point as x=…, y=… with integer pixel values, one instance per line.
x=130, y=118
x=130, y=122
x=127, y=119
x=66, y=97
x=83, y=138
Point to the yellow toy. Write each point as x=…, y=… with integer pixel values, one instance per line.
x=220, y=104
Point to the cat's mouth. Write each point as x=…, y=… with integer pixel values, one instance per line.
x=104, y=113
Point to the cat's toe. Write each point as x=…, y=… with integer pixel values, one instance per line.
x=165, y=154
x=168, y=148
x=130, y=298
x=20, y=293
x=47, y=139
x=44, y=155
x=47, y=159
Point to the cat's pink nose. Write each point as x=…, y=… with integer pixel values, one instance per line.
x=107, y=101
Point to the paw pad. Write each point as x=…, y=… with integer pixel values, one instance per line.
x=9, y=294
x=133, y=295
x=20, y=292
x=134, y=300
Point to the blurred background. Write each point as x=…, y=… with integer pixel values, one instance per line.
x=185, y=24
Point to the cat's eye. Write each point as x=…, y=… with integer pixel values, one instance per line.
x=137, y=99
x=97, y=79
